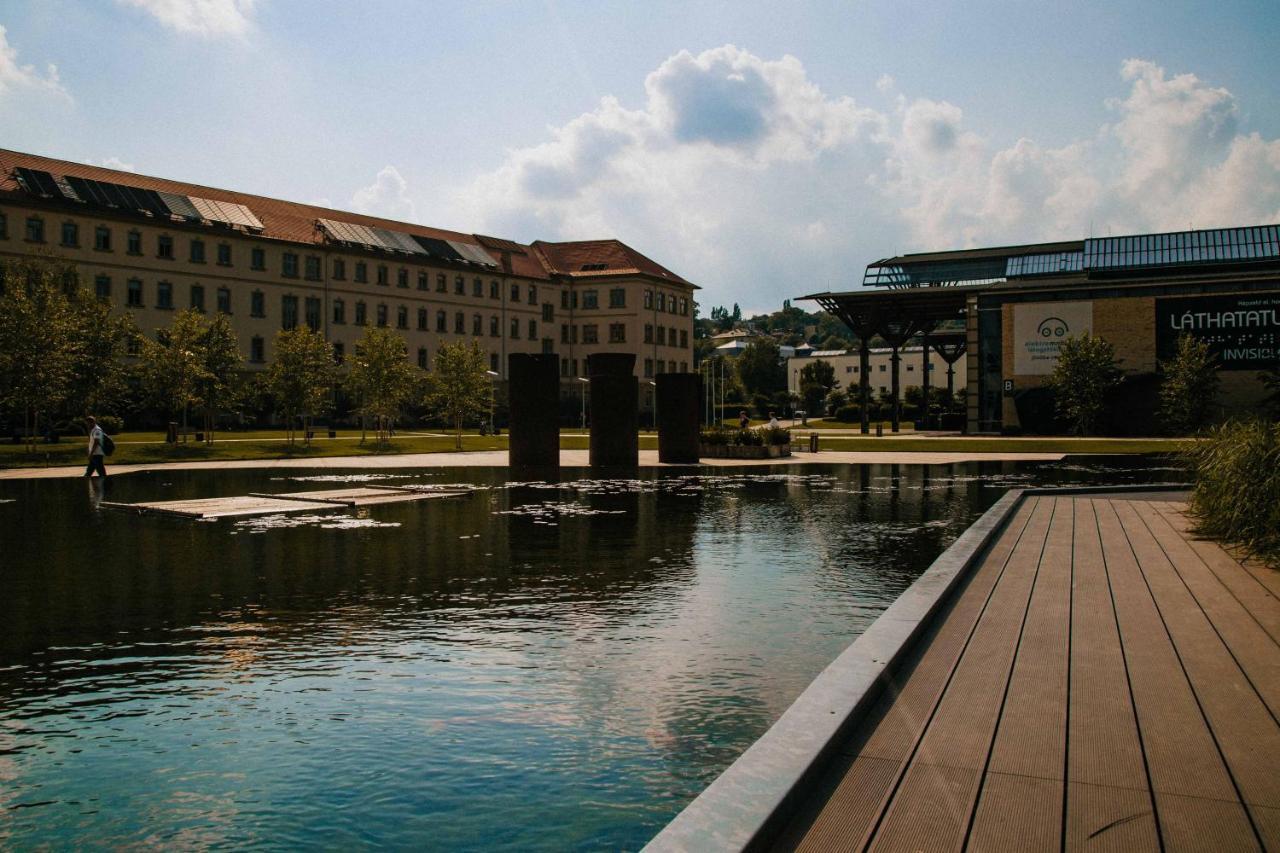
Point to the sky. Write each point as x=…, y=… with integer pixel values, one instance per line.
x=763, y=151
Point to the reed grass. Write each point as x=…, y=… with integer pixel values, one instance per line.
x=1236, y=497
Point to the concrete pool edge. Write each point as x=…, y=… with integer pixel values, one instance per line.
x=745, y=805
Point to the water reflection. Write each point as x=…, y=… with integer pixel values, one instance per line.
x=536, y=665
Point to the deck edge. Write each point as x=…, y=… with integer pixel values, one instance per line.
x=746, y=803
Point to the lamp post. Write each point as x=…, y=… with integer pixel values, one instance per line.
x=584, y=401
x=493, y=379
x=654, y=385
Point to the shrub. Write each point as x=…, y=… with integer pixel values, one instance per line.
x=1188, y=387
x=775, y=436
x=848, y=414
x=1087, y=369
x=714, y=435
x=1237, y=486
x=749, y=437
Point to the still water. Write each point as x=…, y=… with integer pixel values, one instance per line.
x=535, y=666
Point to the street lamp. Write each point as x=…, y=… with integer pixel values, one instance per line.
x=584, y=401
x=650, y=382
x=494, y=376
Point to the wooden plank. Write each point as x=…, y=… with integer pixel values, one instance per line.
x=1245, y=730
x=1102, y=819
x=1018, y=813
x=940, y=786
x=241, y=506
x=1268, y=579
x=896, y=722
x=1182, y=759
x=1254, y=649
x=365, y=495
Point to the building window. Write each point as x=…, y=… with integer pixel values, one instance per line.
x=402, y=277
x=548, y=312
x=313, y=313
x=477, y=288
x=133, y=293
x=515, y=292
x=477, y=325
x=495, y=289
x=339, y=352
x=684, y=341
x=648, y=333
x=164, y=295
x=133, y=346
x=495, y=327
x=460, y=286
x=258, y=259
x=362, y=314
x=618, y=298
x=422, y=357
x=102, y=239
x=362, y=272
x=256, y=347
x=493, y=362
x=224, y=254
x=422, y=319
x=617, y=333
x=573, y=334
x=70, y=234
x=382, y=315
x=460, y=323
x=224, y=300
x=288, y=312
x=648, y=299
x=35, y=229
x=533, y=294
x=402, y=317
x=533, y=330
x=197, y=298
x=590, y=334
x=590, y=299
x=312, y=269
x=442, y=321
x=257, y=304
x=662, y=302
x=564, y=367
x=197, y=251
x=564, y=333
x=339, y=312
x=648, y=368
x=289, y=265
x=70, y=280
x=164, y=247
x=515, y=328
x=423, y=281
x=133, y=243
x=684, y=307
x=564, y=300
x=442, y=282
x=662, y=336
x=382, y=275
x=102, y=286
x=339, y=269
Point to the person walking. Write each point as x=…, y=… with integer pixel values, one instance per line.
x=773, y=421
x=97, y=449
x=744, y=420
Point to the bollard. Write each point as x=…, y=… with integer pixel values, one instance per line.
x=615, y=393
x=879, y=430
x=813, y=442
x=678, y=429
x=534, y=401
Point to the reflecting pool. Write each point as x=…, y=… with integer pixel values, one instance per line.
x=535, y=666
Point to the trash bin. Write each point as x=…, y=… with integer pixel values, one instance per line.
x=813, y=442
x=879, y=430
x=172, y=436
x=333, y=433
x=199, y=437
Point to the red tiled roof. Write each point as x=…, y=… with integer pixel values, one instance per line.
x=589, y=258
x=281, y=220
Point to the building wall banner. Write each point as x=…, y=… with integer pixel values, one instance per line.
x=1039, y=329
x=1243, y=331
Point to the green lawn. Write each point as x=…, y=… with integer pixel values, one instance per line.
x=996, y=444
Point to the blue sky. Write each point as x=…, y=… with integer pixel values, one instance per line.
x=763, y=151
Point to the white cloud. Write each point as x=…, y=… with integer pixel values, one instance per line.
x=743, y=175
x=117, y=163
x=18, y=80
x=387, y=196
x=206, y=18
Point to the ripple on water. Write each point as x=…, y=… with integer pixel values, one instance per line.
x=265, y=523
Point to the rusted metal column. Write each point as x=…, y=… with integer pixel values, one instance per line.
x=615, y=393
x=678, y=430
x=534, y=401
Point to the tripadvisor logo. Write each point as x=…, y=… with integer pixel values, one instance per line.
x=1053, y=327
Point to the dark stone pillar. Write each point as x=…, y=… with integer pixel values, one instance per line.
x=894, y=387
x=924, y=378
x=678, y=395
x=615, y=397
x=864, y=383
x=534, y=404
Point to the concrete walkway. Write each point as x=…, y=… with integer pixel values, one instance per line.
x=568, y=459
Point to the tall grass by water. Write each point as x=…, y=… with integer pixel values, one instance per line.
x=1237, y=486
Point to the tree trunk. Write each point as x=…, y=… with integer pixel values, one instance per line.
x=457, y=426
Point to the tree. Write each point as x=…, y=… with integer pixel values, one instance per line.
x=301, y=375
x=760, y=367
x=218, y=387
x=174, y=364
x=1087, y=369
x=817, y=380
x=1188, y=387
x=381, y=379
x=459, y=387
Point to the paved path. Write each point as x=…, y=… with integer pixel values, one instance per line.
x=1103, y=679
x=498, y=458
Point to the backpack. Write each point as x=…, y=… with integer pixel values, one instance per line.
x=108, y=446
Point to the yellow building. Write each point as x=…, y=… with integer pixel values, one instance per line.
x=153, y=246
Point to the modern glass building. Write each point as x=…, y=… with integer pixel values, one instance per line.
x=1016, y=304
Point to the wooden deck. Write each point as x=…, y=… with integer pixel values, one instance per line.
x=1101, y=680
